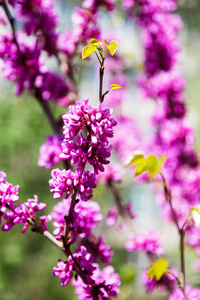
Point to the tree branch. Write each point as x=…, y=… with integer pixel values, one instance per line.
x=68, y=219
x=4, y=4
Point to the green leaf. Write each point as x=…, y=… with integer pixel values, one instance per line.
x=158, y=268
x=115, y=86
x=112, y=47
x=87, y=51
x=94, y=42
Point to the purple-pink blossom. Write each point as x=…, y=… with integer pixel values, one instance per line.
x=8, y=193
x=39, y=19
x=50, y=151
x=93, y=146
x=106, y=284
x=99, y=249
x=148, y=242
x=191, y=293
x=65, y=181
x=85, y=260
x=84, y=219
x=93, y=5
x=64, y=270
x=33, y=75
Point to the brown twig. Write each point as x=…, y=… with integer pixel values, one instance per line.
x=39, y=229
x=117, y=197
x=68, y=218
x=101, y=73
x=181, y=232
x=45, y=106
x=66, y=250
x=55, y=126
x=168, y=197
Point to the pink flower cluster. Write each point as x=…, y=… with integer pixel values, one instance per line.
x=84, y=219
x=66, y=181
x=84, y=26
x=94, y=147
x=50, y=151
x=191, y=293
x=162, y=82
x=15, y=214
x=93, y=5
x=64, y=270
x=148, y=242
x=32, y=75
x=38, y=19
x=106, y=284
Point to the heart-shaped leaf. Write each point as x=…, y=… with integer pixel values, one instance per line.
x=94, y=42
x=87, y=51
x=112, y=47
x=132, y=160
x=158, y=268
x=151, y=164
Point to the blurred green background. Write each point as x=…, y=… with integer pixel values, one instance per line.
x=26, y=261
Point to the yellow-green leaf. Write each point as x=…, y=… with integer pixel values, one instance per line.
x=141, y=166
x=115, y=86
x=138, y=160
x=152, y=165
x=158, y=268
x=106, y=43
x=162, y=161
x=132, y=160
x=94, y=42
x=112, y=47
x=195, y=215
x=87, y=51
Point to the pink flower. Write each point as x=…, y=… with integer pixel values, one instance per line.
x=50, y=151
x=148, y=242
x=64, y=270
x=106, y=283
x=65, y=181
x=191, y=293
